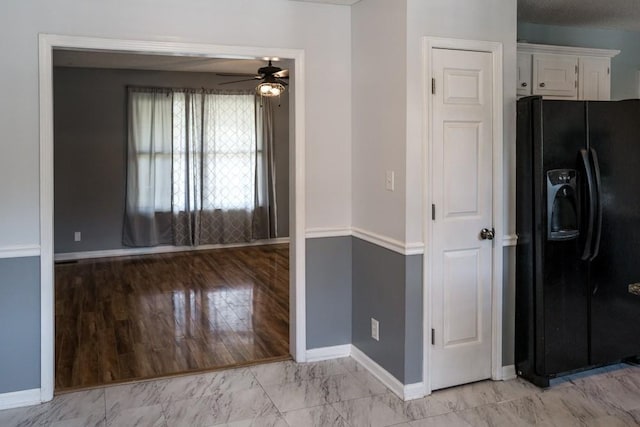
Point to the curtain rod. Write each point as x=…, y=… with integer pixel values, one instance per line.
x=187, y=89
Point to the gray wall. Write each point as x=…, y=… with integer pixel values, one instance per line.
x=328, y=293
x=624, y=67
x=414, y=319
x=20, y=327
x=388, y=287
x=508, y=306
x=90, y=145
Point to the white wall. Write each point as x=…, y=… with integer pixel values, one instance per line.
x=323, y=31
x=487, y=20
x=387, y=121
x=379, y=113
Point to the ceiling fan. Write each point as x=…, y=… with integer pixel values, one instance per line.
x=272, y=79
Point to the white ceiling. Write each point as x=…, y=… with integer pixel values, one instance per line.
x=613, y=14
x=343, y=2
x=118, y=60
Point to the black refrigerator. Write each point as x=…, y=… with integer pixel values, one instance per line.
x=578, y=226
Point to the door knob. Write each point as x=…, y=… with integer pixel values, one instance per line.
x=542, y=84
x=486, y=234
x=524, y=84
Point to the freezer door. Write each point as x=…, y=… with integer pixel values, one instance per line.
x=614, y=134
x=562, y=292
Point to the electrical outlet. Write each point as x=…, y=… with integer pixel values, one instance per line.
x=390, y=181
x=77, y=236
x=375, y=329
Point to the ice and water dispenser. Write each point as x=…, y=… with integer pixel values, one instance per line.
x=562, y=204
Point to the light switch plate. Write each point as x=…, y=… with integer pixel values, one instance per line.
x=390, y=181
x=375, y=329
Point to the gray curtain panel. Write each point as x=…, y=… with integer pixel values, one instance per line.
x=147, y=219
x=265, y=224
x=220, y=168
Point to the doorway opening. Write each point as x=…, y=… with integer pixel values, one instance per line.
x=215, y=306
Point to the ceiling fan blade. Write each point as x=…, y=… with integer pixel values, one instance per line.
x=282, y=82
x=284, y=74
x=237, y=75
x=236, y=81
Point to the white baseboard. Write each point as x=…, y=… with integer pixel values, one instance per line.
x=414, y=391
x=326, y=353
x=508, y=372
x=72, y=256
x=404, y=392
x=18, y=399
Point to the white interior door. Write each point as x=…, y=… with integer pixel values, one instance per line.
x=462, y=192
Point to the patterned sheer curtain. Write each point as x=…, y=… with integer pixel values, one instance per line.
x=213, y=195
x=215, y=162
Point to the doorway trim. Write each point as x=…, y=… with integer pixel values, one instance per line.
x=495, y=48
x=49, y=42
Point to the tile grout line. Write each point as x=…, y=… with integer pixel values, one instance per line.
x=339, y=414
x=104, y=397
x=268, y=397
x=328, y=403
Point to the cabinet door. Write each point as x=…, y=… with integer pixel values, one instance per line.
x=524, y=74
x=555, y=76
x=594, y=81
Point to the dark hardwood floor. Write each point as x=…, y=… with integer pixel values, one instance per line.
x=121, y=319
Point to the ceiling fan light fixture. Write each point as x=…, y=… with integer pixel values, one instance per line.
x=268, y=89
x=264, y=88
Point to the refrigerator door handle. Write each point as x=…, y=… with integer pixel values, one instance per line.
x=598, y=199
x=592, y=204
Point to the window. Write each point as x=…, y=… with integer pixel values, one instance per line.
x=193, y=174
x=214, y=151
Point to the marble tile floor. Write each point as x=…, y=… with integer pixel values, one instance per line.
x=339, y=393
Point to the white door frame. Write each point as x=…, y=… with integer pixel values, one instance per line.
x=48, y=42
x=495, y=48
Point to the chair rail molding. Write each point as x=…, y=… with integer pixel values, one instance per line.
x=411, y=248
x=19, y=251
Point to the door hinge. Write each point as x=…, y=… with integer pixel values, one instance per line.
x=433, y=336
x=433, y=86
x=576, y=69
x=433, y=212
x=608, y=70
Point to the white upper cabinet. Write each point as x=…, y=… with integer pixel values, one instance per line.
x=524, y=74
x=594, y=78
x=555, y=76
x=560, y=72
